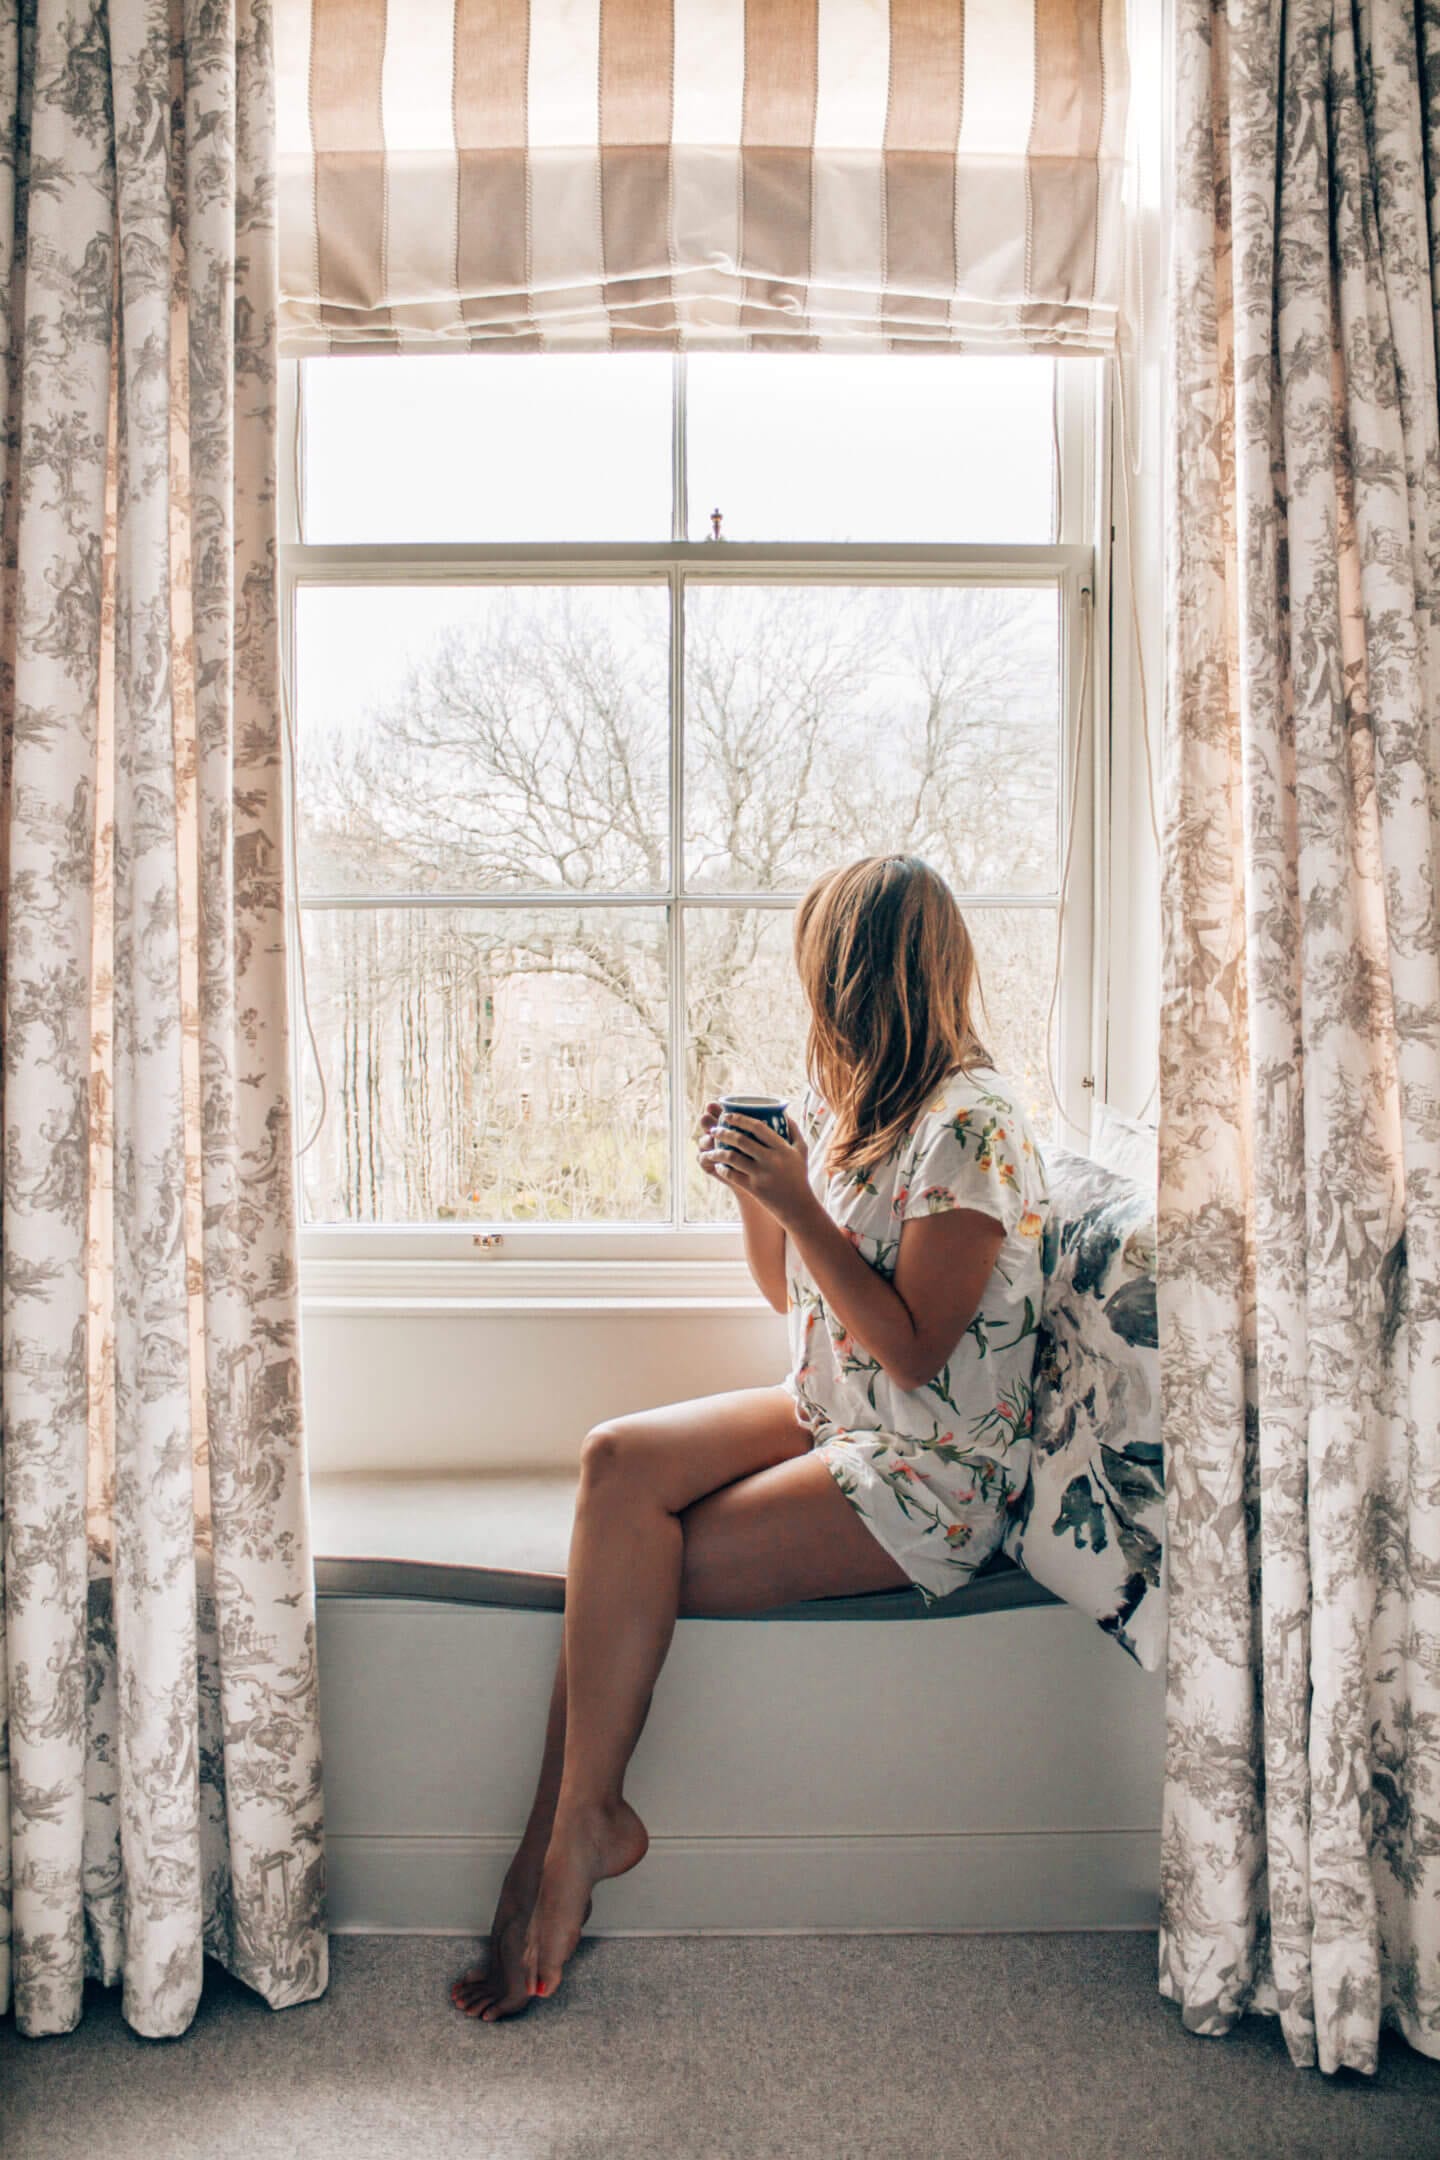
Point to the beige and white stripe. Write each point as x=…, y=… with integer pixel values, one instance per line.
x=700, y=174
x=492, y=216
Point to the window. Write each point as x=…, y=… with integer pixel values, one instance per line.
x=566, y=761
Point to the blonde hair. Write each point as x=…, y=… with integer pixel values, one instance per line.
x=889, y=972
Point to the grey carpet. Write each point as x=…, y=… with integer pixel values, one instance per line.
x=1054, y=2047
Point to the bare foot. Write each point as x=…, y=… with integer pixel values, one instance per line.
x=497, y=1986
x=498, y=1976
x=586, y=1846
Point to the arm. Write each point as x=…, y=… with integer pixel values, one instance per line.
x=764, y=1236
x=910, y=1324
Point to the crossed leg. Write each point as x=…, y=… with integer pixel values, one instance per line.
x=713, y=1507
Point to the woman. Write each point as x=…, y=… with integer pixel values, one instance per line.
x=898, y=1225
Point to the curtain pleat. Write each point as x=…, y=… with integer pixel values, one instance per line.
x=60, y=282
x=576, y=175
x=161, y=1741
x=1299, y=1222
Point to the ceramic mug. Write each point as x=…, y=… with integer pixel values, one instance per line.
x=765, y=1109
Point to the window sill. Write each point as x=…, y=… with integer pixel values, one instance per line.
x=382, y=1284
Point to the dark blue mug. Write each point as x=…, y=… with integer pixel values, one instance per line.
x=765, y=1109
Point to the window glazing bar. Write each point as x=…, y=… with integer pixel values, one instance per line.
x=559, y=898
x=542, y=563
x=674, y=919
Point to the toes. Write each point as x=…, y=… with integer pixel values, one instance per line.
x=477, y=1987
x=473, y=2001
x=543, y=1968
x=514, y=2000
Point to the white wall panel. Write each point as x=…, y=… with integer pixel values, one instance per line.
x=997, y=1770
x=391, y=1389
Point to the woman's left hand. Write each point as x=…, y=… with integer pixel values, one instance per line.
x=756, y=1159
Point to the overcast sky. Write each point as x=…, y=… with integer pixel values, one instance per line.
x=509, y=447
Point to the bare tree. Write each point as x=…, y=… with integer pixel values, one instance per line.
x=533, y=756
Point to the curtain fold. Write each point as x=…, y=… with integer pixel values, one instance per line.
x=1300, y=1056
x=701, y=174
x=159, y=1755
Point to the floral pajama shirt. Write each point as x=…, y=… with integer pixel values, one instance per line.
x=929, y=1470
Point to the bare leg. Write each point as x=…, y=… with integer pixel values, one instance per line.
x=497, y=1985
x=699, y=1446
x=622, y=1594
x=634, y=1563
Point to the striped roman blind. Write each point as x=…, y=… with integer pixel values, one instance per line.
x=702, y=174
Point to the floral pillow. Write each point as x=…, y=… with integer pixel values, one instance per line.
x=1090, y=1521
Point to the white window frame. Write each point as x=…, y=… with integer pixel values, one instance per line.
x=553, y=1264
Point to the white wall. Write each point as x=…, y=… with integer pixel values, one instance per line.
x=390, y=1388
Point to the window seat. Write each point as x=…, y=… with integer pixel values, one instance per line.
x=503, y=1540
x=1014, y=1786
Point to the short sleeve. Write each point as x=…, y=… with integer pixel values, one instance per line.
x=971, y=1157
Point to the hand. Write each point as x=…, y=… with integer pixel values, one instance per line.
x=757, y=1162
x=711, y=1158
x=709, y=1118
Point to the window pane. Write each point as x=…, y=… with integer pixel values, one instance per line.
x=745, y=1024
x=830, y=447
x=828, y=722
x=483, y=738
x=1016, y=951
x=488, y=1065
x=522, y=447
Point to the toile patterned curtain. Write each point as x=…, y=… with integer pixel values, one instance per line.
x=159, y=1757
x=1300, y=1058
